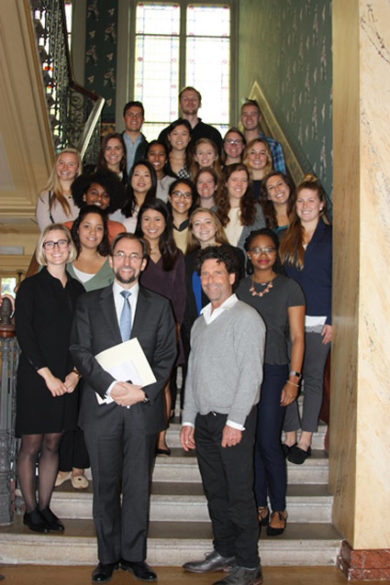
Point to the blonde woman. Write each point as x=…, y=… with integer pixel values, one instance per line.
x=55, y=204
x=257, y=158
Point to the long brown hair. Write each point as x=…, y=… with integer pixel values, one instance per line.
x=53, y=185
x=267, y=204
x=247, y=202
x=249, y=146
x=216, y=165
x=291, y=249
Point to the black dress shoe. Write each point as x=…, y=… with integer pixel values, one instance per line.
x=213, y=561
x=166, y=451
x=51, y=520
x=35, y=521
x=139, y=569
x=297, y=455
x=103, y=573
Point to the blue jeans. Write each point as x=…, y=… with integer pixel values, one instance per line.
x=270, y=464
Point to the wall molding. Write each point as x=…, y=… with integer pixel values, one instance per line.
x=271, y=127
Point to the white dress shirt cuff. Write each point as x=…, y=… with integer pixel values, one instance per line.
x=234, y=425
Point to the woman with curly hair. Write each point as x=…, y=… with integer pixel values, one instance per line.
x=257, y=158
x=236, y=208
x=164, y=274
x=277, y=198
x=104, y=190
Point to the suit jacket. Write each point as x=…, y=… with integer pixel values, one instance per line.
x=95, y=328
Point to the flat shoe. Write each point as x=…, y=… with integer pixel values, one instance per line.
x=166, y=451
x=79, y=482
x=35, y=521
x=297, y=455
x=277, y=523
x=62, y=477
x=286, y=449
x=139, y=569
x=51, y=520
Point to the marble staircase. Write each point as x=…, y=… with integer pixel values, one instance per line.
x=179, y=523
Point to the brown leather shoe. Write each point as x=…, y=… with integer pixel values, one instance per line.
x=277, y=523
x=263, y=515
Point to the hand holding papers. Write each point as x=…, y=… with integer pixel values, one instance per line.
x=124, y=362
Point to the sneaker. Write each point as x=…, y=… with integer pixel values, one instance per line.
x=212, y=562
x=242, y=576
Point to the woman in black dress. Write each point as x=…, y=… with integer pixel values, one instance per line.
x=46, y=403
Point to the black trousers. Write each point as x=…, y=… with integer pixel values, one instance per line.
x=227, y=475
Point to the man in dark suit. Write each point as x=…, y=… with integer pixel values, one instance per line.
x=121, y=434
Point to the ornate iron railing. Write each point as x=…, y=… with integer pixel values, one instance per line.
x=8, y=365
x=74, y=112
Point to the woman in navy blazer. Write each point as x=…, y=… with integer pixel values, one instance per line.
x=306, y=252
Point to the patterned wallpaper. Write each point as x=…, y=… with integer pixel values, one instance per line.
x=101, y=52
x=287, y=47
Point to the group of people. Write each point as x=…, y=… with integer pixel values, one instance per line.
x=203, y=249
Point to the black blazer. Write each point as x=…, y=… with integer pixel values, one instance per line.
x=95, y=328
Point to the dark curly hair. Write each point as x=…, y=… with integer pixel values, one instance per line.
x=104, y=247
x=166, y=244
x=277, y=267
x=222, y=254
x=247, y=202
x=106, y=179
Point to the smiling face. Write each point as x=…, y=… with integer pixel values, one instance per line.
x=91, y=231
x=179, y=138
x=309, y=206
x=206, y=186
x=233, y=145
x=141, y=181
x=204, y=228
x=152, y=224
x=205, y=155
x=97, y=195
x=67, y=166
x=250, y=117
x=277, y=190
x=262, y=253
x=157, y=157
x=133, y=119
x=58, y=254
x=181, y=198
x=113, y=153
x=216, y=282
x=237, y=185
x=127, y=262
x=258, y=156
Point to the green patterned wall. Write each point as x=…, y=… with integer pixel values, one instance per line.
x=101, y=52
x=286, y=46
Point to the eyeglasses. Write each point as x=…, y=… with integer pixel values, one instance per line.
x=50, y=244
x=262, y=250
x=231, y=141
x=179, y=194
x=121, y=256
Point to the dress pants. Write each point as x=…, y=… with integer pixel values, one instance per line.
x=316, y=354
x=270, y=464
x=227, y=475
x=121, y=458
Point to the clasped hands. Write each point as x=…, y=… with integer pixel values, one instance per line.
x=127, y=394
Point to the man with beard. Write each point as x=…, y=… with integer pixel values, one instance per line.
x=121, y=433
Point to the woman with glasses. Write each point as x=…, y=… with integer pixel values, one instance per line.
x=181, y=201
x=306, y=253
x=164, y=274
x=257, y=158
x=280, y=302
x=236, y=208
x=233, y=146
x=46, y=401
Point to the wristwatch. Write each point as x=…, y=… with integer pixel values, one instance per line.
x=294, y=373
x=146, y=400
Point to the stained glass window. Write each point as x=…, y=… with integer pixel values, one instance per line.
x=172, y=52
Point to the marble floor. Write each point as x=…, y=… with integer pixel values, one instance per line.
x=49, y=575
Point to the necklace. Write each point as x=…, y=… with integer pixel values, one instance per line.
x=268, y=285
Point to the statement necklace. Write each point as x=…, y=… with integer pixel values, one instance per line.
x=268, y=285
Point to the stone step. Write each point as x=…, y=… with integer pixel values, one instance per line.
x=169, y=544
x=173, y=436
x=182, y=466
x=186, y=501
